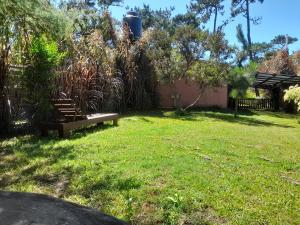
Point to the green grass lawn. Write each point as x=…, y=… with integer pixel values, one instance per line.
x=157, y=168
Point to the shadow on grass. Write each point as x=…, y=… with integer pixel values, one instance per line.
x=244, y=120
x=21, y=160
x=89, y=130
x=244, y=117
x=52, y=165
x=282, y=115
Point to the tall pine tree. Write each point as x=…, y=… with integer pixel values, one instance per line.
x=243, y=7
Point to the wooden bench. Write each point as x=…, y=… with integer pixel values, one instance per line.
x=70, y=117
x=64, y=128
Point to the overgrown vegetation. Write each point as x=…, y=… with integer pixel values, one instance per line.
x=39, y=76
x=104, y=69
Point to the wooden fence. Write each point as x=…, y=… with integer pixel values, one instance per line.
x=249, y=103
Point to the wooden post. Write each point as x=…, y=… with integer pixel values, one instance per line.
x=100, y=124
x=236, y=107
x=115, y=122
x=63, y=132
x=276, y=98
x=44, y=131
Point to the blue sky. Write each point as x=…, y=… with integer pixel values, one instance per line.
x=278, y=17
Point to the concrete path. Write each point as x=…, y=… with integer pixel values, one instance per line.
x=34, y=209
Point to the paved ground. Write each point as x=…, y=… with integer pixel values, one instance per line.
x=35, y=209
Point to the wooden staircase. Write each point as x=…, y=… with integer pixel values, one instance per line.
x=67, y=110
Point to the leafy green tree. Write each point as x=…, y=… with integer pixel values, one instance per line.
x=88, y=4
x=240, y=80
x=241, y=54
x=107, y=3
x=162, y=54
x=188, y=18
x=39, y=76
x=19, y=21
x=282, y=40
x=219, y=48
x=85, y=16
x=206, y=9
x=191, y=45
x=181, y=56
x=243, y=7
x=241, y=37
x=207, y=73
x=158, y=19
x=259, y=49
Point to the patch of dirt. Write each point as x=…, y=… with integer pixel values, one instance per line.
x=29, y=170
x=160, y=182
x=5, y=181
x=5, y=152
x=149, y=214
x=7, y=160
x=203, y=217
x=291, y=180
x=46, y=179
x=207, y=157
x=266, y=159
x=59, y=182
x=61, y=187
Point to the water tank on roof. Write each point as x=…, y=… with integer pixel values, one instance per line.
x=134, y=22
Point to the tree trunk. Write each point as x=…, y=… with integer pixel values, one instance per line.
x=196, y=100
x=215, y=20
x=5, y=107
x=249, y=31
x=212, y=54
x=176, y=97
x=177, y=101
x=235, y=108
x=5, y=114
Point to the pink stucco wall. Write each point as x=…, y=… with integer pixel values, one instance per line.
x=189, y=91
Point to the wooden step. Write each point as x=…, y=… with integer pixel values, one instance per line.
x=72, y=118
x=75, y=116
x=61, y=100
x=68, y=109
x=69, y=112
x=63, y=105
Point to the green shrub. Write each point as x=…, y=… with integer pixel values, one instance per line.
x=39, y=76
x=293, y=95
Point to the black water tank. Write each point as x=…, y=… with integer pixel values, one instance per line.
x=134, y=22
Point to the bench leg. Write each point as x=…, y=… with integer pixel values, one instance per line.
x=115, y=122
x=100, y=124
x=64, y=133
x=44, y=132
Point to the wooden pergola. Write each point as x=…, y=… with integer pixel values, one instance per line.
x=273, y=81
x=276, y=83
